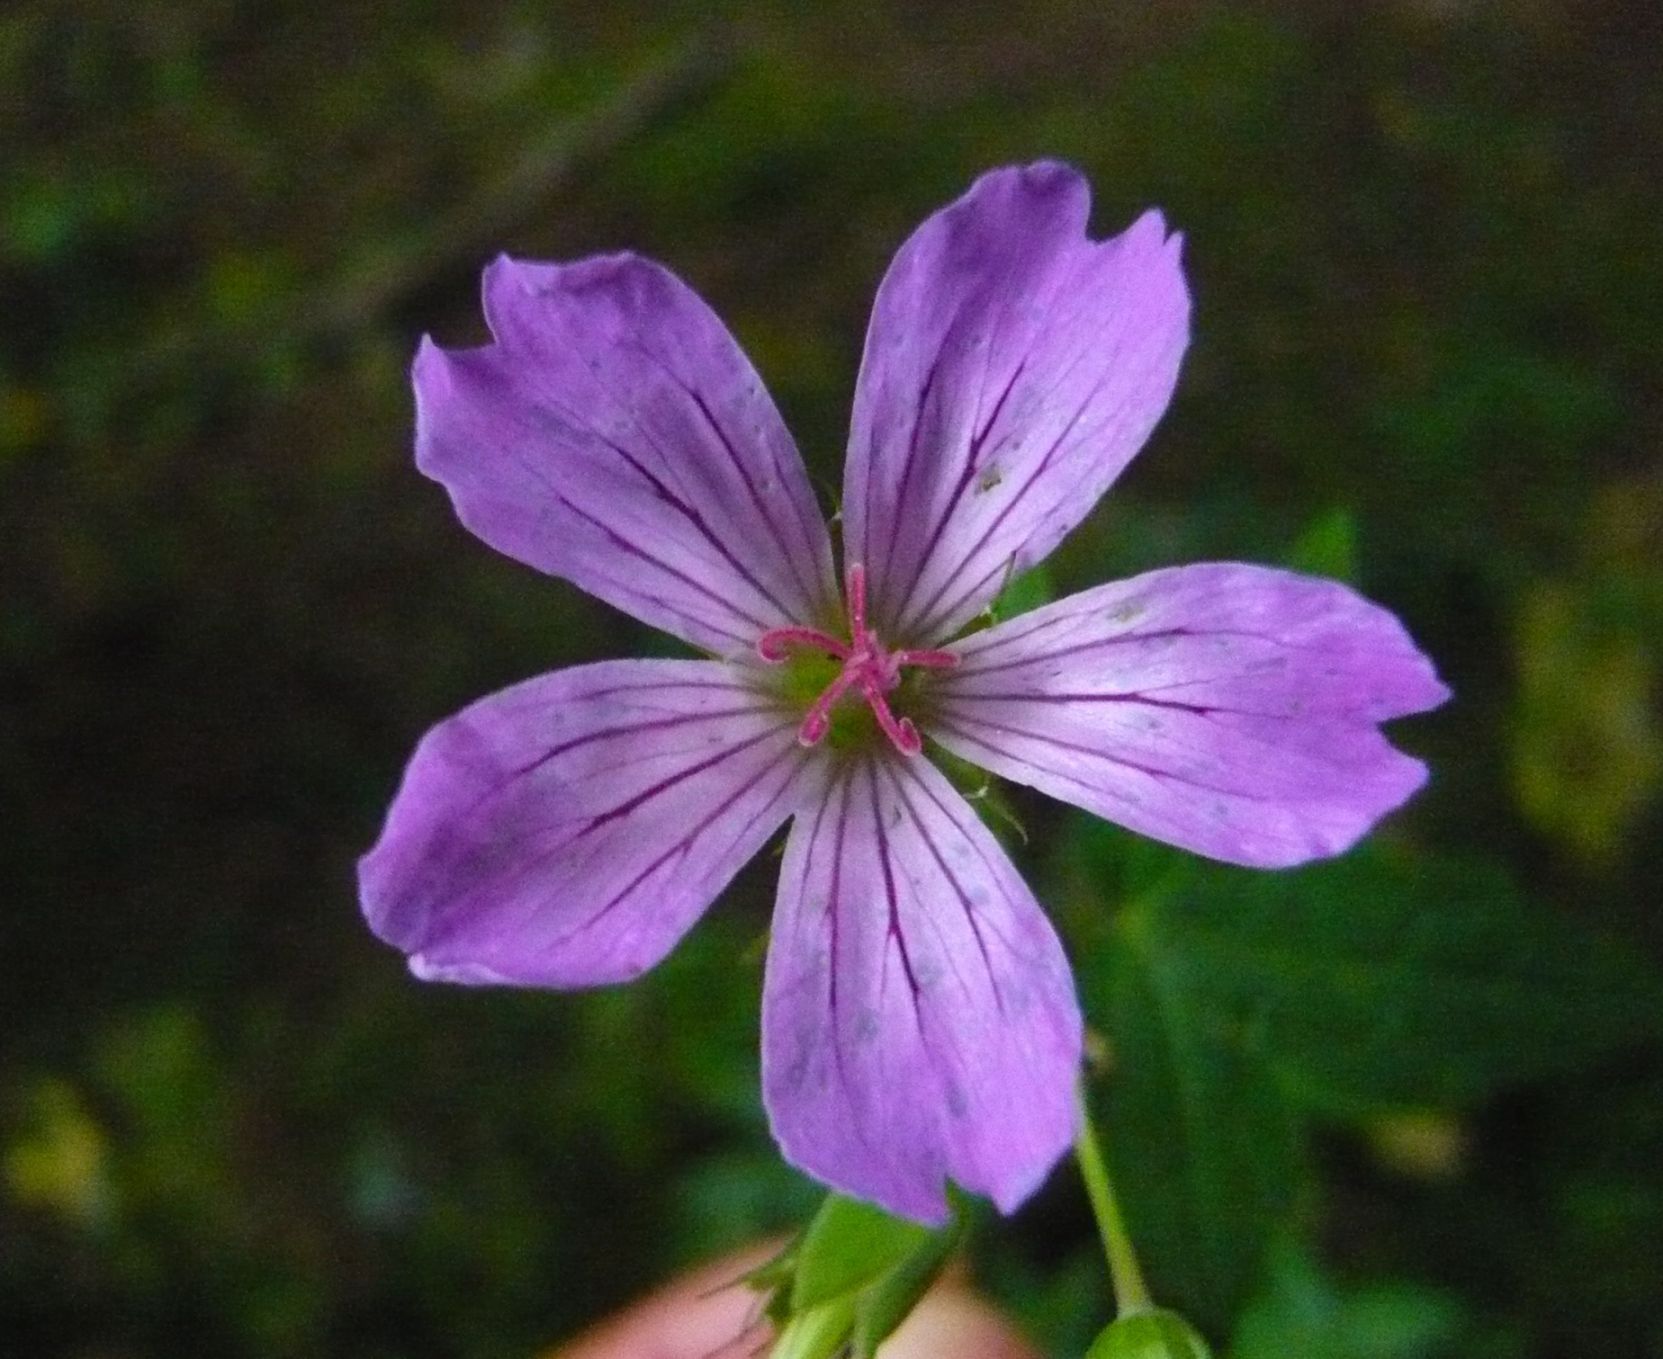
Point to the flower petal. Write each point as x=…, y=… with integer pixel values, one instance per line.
x=1228, y=709
x=615, y=434
x=919, y=1020
x=569, y=830
x=1013, y=367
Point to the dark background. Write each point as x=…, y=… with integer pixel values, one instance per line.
x=1424, y=244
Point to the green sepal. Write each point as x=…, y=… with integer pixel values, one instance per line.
x=848, y=1245
x=773, y=1277
x=818, y=1333
x=889, y=1302
x=852, y=1277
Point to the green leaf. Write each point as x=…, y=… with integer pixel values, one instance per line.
x=887, y=1303
x=1206, y=1156
x=1304, y=1313
x=848, y=1245
x=1235, y=1001
x=1377, y=982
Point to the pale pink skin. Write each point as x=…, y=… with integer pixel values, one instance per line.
x=919, y=1018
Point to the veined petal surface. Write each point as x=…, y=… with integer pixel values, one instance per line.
x=1231, y=710
x=1012, y=368
x=919, y=1019
x=614, y=434
x=568, y=830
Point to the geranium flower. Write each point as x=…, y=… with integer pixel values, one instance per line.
x=919, y=1018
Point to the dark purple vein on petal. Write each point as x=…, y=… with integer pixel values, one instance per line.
x=1159, y=775
x=995, y=874
x=679, y=501
x=793, y=558
x=533, y=765
x=1003, y=292
x=647, y=352
x=632, y=728
x=803, y=759
x=971, y=649
x=639, y=800
x=834, y=903
x=927, y=622
x=972, y=670
x=893, y=927
x=1131, y=699
x=539, y=475
x=669, y=686
x=681, y=848
x=958, y=888
x=972, y=464
x=884, y=579
x=704, y=530
x=635, y=550
x=810, y=595
x=1062, y=497
x=1021, y=492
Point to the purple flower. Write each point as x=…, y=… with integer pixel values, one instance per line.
x=919, y=1018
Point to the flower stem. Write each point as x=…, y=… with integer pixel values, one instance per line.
x=1131, y=1295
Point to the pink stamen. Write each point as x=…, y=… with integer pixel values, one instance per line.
x=901, y=731
x=930, y=660
x=776, y=643
x=855, y=585
x=866, y=667
x=818, y=722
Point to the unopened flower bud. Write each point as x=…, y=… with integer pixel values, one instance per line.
x=1156, y=1334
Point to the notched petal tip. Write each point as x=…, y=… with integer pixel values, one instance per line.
x=1051, y=175
x=1014, y=365
x=1029, y=188
x=429, y=370
x=919, y=1018
x=1232, y=710
x=509, y=284
x=611, y=432
x=1435, y=692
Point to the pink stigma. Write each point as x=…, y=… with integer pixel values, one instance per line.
x=867, y=668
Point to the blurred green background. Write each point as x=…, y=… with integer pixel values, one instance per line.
x=1407, y=1105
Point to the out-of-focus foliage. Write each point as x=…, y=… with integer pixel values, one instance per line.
x=1588, y=746
x=1406, y=1105
x=1241, y=1005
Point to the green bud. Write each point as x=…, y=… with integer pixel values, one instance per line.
x=1156, y=1334
x=851, y=1278
x=818, y=1333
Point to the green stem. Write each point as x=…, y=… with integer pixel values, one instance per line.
x=1130, y=1293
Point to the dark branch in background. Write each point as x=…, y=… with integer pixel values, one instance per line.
x=366, y=286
